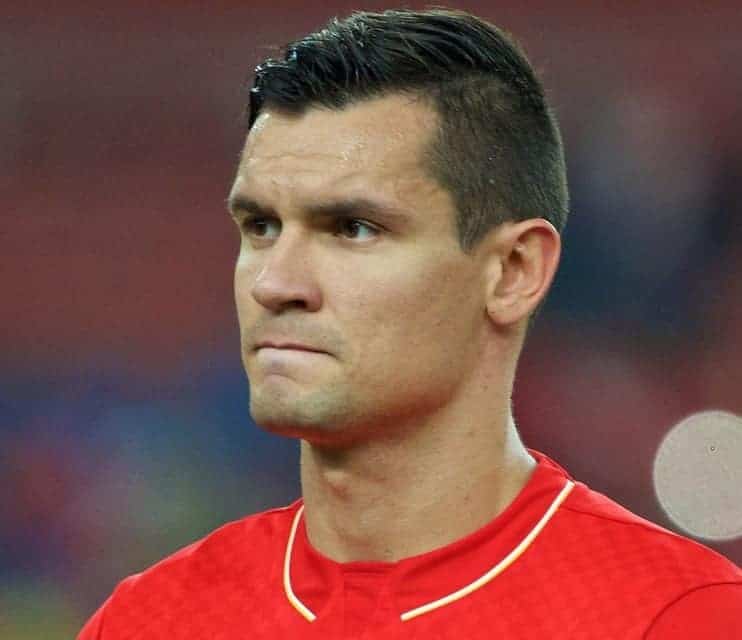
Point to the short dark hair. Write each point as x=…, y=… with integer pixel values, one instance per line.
x=498, y=149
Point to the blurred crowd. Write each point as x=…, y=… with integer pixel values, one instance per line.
x=124, y=418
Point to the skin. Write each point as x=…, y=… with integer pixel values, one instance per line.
x=407, y=438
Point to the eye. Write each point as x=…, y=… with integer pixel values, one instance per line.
x=262, y=227
x=357, y=229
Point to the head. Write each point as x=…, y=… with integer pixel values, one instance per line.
x=400, y=198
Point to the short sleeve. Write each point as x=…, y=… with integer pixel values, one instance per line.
x=712, y=612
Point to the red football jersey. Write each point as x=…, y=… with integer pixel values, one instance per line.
x=561, y=562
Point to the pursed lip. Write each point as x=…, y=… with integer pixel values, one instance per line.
x=286, y=345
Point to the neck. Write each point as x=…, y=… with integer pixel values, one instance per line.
x=395, y=498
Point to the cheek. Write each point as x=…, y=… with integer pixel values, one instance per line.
x=419, y=312
x=244, y=276
x=416, y=344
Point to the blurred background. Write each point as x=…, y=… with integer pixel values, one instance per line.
x=124, y=425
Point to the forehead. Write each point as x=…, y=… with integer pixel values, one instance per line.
x=373, y=144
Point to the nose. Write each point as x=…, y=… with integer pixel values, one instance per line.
x=286, y=279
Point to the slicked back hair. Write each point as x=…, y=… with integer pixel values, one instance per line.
x=497, y=150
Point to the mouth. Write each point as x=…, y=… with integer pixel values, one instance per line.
x=287, y=346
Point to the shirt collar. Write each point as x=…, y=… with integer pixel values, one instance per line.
x=430, y=580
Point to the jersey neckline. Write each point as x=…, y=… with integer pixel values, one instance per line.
x=419, y=584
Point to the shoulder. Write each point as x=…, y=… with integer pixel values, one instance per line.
x=230, y=559
x=611, y=530
x=627, y=558
x=606, y=569
x=597, y=536
x=236, y=546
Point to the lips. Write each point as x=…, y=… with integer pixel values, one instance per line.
x=295, y=346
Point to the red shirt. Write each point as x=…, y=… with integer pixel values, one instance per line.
x=561, y=562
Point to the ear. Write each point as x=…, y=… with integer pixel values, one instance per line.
x=522, y=265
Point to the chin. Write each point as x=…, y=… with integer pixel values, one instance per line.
x=324, y=430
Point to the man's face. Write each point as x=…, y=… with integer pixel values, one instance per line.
x=349, y=249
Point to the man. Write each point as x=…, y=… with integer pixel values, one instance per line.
x=400, y=199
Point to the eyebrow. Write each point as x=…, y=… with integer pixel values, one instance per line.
x=341, y=208
x=243, y=204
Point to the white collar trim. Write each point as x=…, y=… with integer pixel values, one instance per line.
x=451, y=597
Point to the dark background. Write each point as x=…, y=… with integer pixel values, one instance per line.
x=124, y=430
